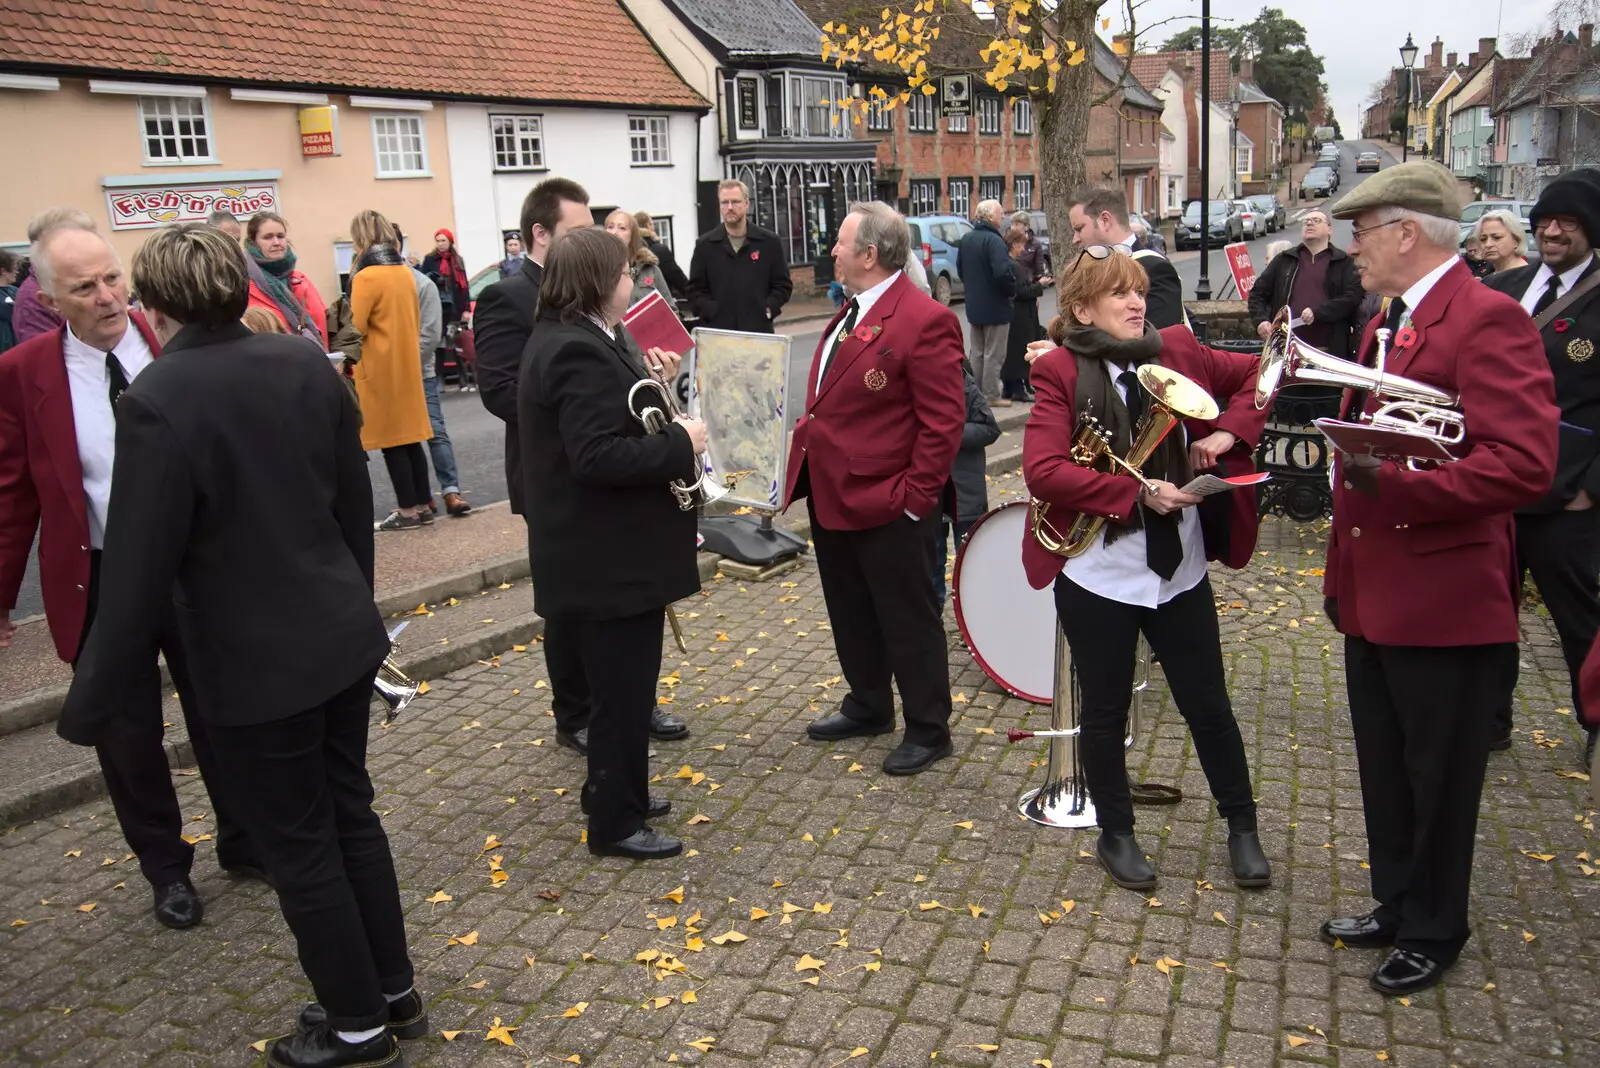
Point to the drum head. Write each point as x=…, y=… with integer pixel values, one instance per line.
x=1009, y=626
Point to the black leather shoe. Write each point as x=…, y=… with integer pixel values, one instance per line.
x=908, y=758
x=1251, y=869
x=658, y=807
x=1359, y=932
x=643, y=844
x=577, y=740
x=177, y=905
x=1405, y=971
x=1501, y=744
x=837, y=725
x=1122, y=858
x=319, y=1047
x=408, y=1017
x=665, y=727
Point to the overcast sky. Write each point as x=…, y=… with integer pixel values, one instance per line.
x=1358, y=40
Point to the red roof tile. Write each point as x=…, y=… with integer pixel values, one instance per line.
x=577, y=51
x=1150, y=67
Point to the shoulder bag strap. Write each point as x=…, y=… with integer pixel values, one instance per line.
x=1562, y=303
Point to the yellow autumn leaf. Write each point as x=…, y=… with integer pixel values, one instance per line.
x=468, y=939
x=1068, y=905
x=703, y=1044
x=789, y=907
x=674, y=896
x=698, y=817
x=731, y=936
x=688, y=997
x=854, y=767
x=259, y=1047
x=965, y=825
x=88, y=906
x=1042, y=1062
x=1296, y=1041
x=575, y=1011
x=501, y=1033
x=666, y=921
x=987, y=1047
x=809, y=963
x=929, y=906
x=489, y=843
x=659, y=1002
x=822, y=907
x=976, y=910
x=1528, y=936
x=759, y=914
x=1545, y=857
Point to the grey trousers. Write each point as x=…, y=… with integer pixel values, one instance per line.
x=987, y=353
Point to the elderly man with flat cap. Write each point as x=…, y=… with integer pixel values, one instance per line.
x=1421, y=568
x=1558, y=536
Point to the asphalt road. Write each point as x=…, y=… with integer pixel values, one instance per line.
x=479, y=438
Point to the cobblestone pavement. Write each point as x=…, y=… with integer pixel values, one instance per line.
x=898, y=919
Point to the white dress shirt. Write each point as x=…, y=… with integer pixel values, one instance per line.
x=1121, y=571
x=864, y=303
x=1420, y=289
x=96, y=427
x=1541, y=282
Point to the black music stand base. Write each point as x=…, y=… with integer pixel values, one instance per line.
x=748, y=540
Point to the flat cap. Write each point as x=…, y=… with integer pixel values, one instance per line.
x=1421, y=185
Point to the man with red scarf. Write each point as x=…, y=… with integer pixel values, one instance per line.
x=444, y=266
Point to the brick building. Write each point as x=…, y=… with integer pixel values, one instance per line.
x=1124, y=147
x=1258, y=143
x=1175, y=76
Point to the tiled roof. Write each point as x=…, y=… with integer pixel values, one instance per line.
x=534, y=50
x=962, y=32
x=1109, y=65
x=753, y=27
x=1149, y=67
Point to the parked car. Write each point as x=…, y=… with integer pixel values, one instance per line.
x=1475, y=210
x=1251, y=226
x=1150, y=232
x=1224, y=225
x=1367, y=161
x=1272, y=209
x=938, y=237
x=1041, y=234
x=1318, y=182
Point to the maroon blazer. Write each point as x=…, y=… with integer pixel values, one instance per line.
x=41, y=480
x=1430, y=558
x=1053, y=477
x=878, y=439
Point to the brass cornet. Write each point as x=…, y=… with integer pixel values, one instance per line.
x=1173, y=397
x=655, y=415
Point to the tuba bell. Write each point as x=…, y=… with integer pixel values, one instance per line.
x=391, y=684
x=655, y=414
x=1406, y=405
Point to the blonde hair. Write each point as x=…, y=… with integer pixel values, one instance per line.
x=637, y=253
x=733, y=183
x=1090, y=279
x=260, y=321
x=646, y=225
x=1509, y=220
x=370, y=228
x=193, y=273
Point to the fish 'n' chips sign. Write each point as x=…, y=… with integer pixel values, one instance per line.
x=147, y=207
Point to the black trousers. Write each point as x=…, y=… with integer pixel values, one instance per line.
x=886, y=623
x=408, y=470
x=569, y=684
x=133, y=759
x=306, y=799
x=621, y=662
x=939, y=554
x=1104, y=636
x=1421, y=718
x=1562, y=551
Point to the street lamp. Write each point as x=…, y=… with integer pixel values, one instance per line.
x=1408, y=60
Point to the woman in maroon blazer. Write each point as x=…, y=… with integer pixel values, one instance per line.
x=1146, y=569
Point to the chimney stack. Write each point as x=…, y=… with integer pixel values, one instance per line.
x=1435, y=54
x=1247, y=70
x=1450, y=61
x=1586, y=36
x=1486, y=47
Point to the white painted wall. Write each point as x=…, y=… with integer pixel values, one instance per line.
x=1176, y=119
x=1224, y=182
x=588, y=145
x=694, y=64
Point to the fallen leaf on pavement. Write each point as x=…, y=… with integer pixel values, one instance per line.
x=809, y=963
x=703, y=1044
x=468, y=939
x=731, y=936
x=438, y=897
x=500, y=1033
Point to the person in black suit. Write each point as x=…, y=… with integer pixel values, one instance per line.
x=501, y=324
x=240, y=481
x=738, y=274
x=597, y=486
x=1558, y=539
x=1100, y=217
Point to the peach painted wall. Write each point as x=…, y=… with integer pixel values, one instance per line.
x=60, y=145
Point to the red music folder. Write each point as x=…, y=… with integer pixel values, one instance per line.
x=1364, y=439
x=654, y=325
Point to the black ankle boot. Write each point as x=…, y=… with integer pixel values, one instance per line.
x=1251, y=869
x=1122, y=858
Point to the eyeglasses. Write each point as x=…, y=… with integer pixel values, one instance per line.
x=1101, y=252
x=1368, y=229
x=1565, y=223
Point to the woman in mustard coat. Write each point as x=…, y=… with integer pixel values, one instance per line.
x=383, y=307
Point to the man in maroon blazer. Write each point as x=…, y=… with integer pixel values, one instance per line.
x=885, y=406
x=57, y=446
x=1421, y=574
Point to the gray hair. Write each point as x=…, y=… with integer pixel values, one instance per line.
x=1022, y=218
x=40, y=227
x=884, y=228
x=40, y=254
x=220, y=216
x=1437, y=230
x=1276, y=249
x=1509, y=220
x=988, y=210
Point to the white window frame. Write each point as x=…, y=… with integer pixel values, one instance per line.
x=1022, y=116
x=1484, y=118
x=520, y=139
x=1483, y=155
x=1022, y=192
x=920, y=113
x=880, y=118
x=149, y=103
x=960, y=207
x=958, y=124
x=642, y=133
x=382, y=119
x=989, y=111
x=662, y=225
x=924, y=196
x=987, y=190
x=1246, y=155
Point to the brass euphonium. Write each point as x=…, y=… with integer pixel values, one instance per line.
x=1173, y=398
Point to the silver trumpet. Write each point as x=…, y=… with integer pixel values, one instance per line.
x=656, y=414
x=391, y=684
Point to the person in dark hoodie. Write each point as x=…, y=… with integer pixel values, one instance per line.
x=677, y=281
x=1318, y=281
x=970, y=476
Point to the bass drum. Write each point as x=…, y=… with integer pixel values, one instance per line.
x=1009, y=626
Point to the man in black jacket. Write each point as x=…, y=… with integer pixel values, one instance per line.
x=1100, y=217
x=1558, y=539
x=738, y=277
x=241, y=482
x=501, y=326
x=1318, y=282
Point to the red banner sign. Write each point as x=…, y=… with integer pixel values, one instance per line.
x=147, y=207
x=1244, y=275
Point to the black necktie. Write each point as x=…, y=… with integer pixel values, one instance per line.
x=1549, y=296
x=119, y=381
x=838, y=338
x=1163, y=549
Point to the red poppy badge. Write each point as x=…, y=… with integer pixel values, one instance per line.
x=867, y=333
x=1405, y=338
x=755, y=254
x=1562, y=325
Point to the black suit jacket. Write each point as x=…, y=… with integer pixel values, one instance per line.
x=240, y=480
x=1163, y=305
x=606, y=538
x=742, y=290
x=501, y=323
x=1571, y=352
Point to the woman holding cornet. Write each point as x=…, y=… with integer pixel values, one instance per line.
x=1133, y=541
x=609, y=545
